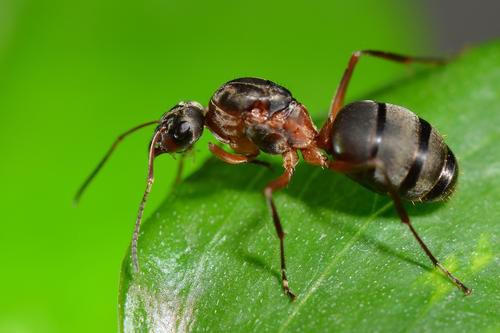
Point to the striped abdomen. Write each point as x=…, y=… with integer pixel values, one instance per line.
x=418, y=162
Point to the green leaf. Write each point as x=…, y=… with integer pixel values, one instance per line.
x=210, y=255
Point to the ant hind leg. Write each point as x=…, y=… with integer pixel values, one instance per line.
x=323, y=139
x=346, y=167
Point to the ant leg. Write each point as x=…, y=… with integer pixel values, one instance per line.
x=315, y=156
x=236, y=158
x=290, y=160
x=180, y=169
x=324, y=137
x=346, y=167
x=405, y=219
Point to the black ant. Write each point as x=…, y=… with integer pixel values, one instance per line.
x=385, y=147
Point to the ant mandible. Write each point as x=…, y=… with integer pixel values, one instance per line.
x=384, y=147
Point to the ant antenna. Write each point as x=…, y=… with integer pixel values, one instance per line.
x=137, y=228
x=89, y=179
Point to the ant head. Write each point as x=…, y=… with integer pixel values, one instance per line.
x=179, y=128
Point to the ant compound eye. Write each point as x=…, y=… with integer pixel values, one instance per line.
x=182, y=131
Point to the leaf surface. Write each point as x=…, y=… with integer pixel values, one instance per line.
x=210, y=255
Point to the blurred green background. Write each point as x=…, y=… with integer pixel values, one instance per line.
x=75, y=74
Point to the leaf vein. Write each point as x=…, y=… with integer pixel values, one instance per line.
x=330, y=266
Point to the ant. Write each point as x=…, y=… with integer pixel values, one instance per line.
x=384, y=147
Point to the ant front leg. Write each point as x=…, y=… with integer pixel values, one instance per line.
x=324, y=137
x=290, y=160
x=346, y=167
x=180, y=169
x=236, y=158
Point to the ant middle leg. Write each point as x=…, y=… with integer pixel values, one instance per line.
x=314, y=156
x=290, y=160
x=346, y=167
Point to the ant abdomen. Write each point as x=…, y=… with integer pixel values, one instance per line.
x=415, y=158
